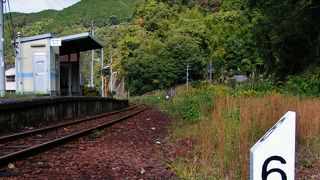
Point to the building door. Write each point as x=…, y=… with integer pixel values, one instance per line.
x=40, y=72
x=57, y=70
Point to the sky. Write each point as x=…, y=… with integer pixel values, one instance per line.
x=30, y=6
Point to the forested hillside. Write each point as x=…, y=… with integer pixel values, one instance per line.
x=152, y=45
x=74, y=19
x=269, y=39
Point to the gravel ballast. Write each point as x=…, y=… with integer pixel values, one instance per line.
x=132, y=149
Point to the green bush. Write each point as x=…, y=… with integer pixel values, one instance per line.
x=156, y=98
x=306, y=84
x=189, y=105
x=256, y=89
x=90, y=91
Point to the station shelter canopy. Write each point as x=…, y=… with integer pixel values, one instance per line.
x=78, y=43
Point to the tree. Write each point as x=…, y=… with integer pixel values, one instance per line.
x=232, y=45
x=288, y=35
x=182, y=49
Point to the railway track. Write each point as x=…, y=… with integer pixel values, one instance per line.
x=22, y=145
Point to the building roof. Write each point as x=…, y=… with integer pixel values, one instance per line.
x=38, y=37
x=79, y=42
x=72, y=43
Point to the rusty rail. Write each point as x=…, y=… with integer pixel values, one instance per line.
x=37, y=149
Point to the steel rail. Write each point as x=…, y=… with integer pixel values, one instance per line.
x=37, y=149
x=3, y=139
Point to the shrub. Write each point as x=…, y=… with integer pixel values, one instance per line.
x=256, y=89
x=90, y=91
x=306, y=84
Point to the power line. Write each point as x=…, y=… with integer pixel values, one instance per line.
x=8, y=21
x=59, y=4
x=56, y=3
x=52, y=6
x=10, y=17
x=6, y=16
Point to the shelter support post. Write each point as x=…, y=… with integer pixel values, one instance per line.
x=102, y=79
x=91, y=69
x=69, y=77
x=79, y=76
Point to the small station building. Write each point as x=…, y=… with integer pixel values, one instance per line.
x=47, y=64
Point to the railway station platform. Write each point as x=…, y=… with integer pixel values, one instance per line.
x=16, y=114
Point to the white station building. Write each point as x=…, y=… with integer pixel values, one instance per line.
x=46, y=64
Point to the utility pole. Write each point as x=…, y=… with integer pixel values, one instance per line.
x=18, y=65
x=187, y=78
x=111, y=72
x=92, y=57
x=2, y=69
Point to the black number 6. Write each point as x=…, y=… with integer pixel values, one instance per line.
x=266, y=173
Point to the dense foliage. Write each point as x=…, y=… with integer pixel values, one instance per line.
x=288, y=36
x=266, y=38
x=152, y=41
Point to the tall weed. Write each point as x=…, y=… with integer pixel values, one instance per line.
x=223, y=128
x=238, y=122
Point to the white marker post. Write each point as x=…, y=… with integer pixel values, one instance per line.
x=273, y=156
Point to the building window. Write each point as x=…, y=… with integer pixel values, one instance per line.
x=10, y=78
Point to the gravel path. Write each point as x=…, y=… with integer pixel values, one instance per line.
x=133, y=149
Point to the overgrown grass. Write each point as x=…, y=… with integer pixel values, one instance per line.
x=223, y=126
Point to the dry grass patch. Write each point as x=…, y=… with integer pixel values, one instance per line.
x=236, y=123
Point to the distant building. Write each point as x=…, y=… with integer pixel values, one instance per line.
x=240, y=78
x=10, y=79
